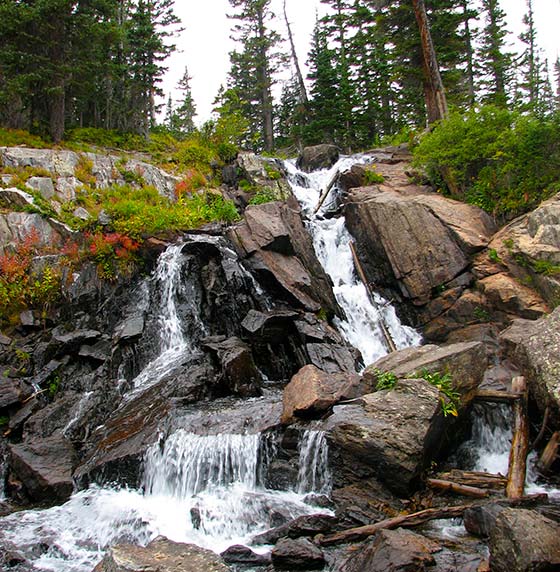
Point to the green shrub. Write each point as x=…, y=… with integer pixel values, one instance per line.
x=263, y=195
x=385, y=379
x=496, y=159
x=451, y=399
x=13, y=137
x=372, y=177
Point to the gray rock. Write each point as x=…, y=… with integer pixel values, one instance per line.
x=130, y=329
x=271, y=326
x=16, y=226
x=28, y=320
x=393, y=551
x=43, y=185
x=5, y=340
x=524, y=541
x=390, y=435
x=317, y=157
x=11, y=392
x=66, y=188
x=465, y=361
x=14, y=198
x=45, y=468
x=303, y=526
x=300, y=554
x=81, y=213
x=103, y=218
x=161, y=555
x=534, y=347
x=100, y=351
x=239, y=554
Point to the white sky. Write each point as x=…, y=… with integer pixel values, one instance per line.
x=205, y=43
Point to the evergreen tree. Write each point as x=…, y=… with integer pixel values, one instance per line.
x=183, y=115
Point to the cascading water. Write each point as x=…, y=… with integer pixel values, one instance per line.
x=314, y=474
x=331, y=239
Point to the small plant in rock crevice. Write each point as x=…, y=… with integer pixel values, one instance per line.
x=385, y=380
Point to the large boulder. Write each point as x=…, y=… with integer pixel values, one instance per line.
x=311, y=392
x=298, y=554
x=261, y=173
x=397, y=250
x=44, y=466
x=317, y=157
x=161, y=555
x=16, y=226
x=465, y=361
x=534, y=346
x=390, y=435
x=273, y=240
x=524, y=541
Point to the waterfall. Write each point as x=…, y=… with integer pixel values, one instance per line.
x=362, y=324
x=314, y=475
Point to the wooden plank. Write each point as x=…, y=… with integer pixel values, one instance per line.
x=465, y=490
x=496, y=396
x=520, y=443
x=475, y=479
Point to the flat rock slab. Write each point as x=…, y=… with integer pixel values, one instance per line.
x=161, y=555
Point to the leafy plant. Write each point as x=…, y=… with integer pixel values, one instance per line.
x=372, y=177
x=450, y=401
x=481, y=314
x=4, y=420
x=263, y=195
x=53, y=386
x=546, y=268
x=385, y=379
x=494, y=256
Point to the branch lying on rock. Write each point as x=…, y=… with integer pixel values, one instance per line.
x=496, y=396
x=477, y=479
x=405, y=520
x=450, y=486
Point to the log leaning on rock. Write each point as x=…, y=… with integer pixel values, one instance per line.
x=450, y=486
x=405, y=520
x=520, y=443
x=477, y=479
x=549, y=454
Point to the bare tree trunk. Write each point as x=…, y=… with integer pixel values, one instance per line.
x=299, y=76
x=470, y=54
x=436, y=102
x=264, y=81
x=520, y=443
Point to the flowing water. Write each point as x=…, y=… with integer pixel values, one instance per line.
x=362, y=324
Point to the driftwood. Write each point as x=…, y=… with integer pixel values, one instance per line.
x=550, y=453
x=405, y=520
x=450, y=486
x=325, y=193
x=475, y=479
x=520, y=443
x=384, y=329
x=496, y=396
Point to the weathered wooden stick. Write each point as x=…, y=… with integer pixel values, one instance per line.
x=475, y=479
x=549, y=454
x=464, y=490
x=520, y=442
x=406, y=520
x=496, y=396
x=359, y=269
x=325, y=193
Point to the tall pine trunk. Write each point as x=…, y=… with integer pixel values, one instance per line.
x=299, y=76
x=436, y=102
x=264, y=82
x=469, y=54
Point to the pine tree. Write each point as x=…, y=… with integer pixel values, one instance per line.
x=183, y=115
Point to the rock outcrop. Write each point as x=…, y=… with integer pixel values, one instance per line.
x=317, y=157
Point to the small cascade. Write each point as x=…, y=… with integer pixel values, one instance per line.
x=3, y=475
x=331, y=240
x=79, y=410
x=314, y=475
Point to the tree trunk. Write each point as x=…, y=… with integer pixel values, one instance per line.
x=465, y=490
x=299, y=76
x=264, y=81
x=520, y=443
x=469, y=53
x=550, y=453
x=436, y=102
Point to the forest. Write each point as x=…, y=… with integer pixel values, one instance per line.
x=68, y=68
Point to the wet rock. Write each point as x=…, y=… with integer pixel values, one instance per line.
x=281, y=475
x=300, y=554
x=100, y=351
x=12, y=392
x=480, y=520
x=45, y=468
x=130, y=329
x=311, y=392
x=524, y=541
x=70, y=342
x=308, y=525
x=393, y=551
x=271, y=326
x=508, y=295
x=465, y=361
x=390, y=435
x=352, y=178
x=317, y=157
x=42, y=185
x=534, y=347
x=334, y=359
x=161, y=555
x=239, y=554
x=241, y=376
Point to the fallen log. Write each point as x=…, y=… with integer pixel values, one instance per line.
x=325, y=193
x=405, y=520
x=450, y=486
x=475, y=479
x=520, y=443
x=496, y=396
x=549, y=454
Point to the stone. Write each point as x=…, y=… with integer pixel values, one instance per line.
x=534, y=347
x=332, y=358
x=11, y=392
x=465, y=361
x=390, y=435
x=27, y=319
x=103, y=218
x=161, y=555
x=5, y=340
x=299, y=554
x=81, y=213
x=15, y=198
x=45, y=468
x=239, y=554
x=508, y=295
x=70, y=342
x=481, y=519
x=524, y=541
x=260, y=172
x=397, y=550
x=271, y=326
x=43, y=185
x=311, y=392
x=317, y=157
x=307, y=525
x=131, y=329
x=100, y=351
x=16, y=226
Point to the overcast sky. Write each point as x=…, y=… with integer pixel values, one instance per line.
x=205, y=43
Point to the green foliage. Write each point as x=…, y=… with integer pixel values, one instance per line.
x=53, y=386
x=84, y=170
x=193, y=153
x=481, y=314
x=4, y=420
x=451, y=399
x=496, y=159
x=546, y=268
x=385, y=379
x=372, y=177
x=263, y=195
x=494, y=256
x=272, y=173
x=15, y=137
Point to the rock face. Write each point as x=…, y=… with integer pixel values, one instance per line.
x=16, y=226
x=299, y=554
x=161, y=555
x=389, y=435
x=393, y=551
x=276, y=245
x=534, y=346
x=317, y=157
x=311, y=392
x=524, y=541
x=466, y=362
